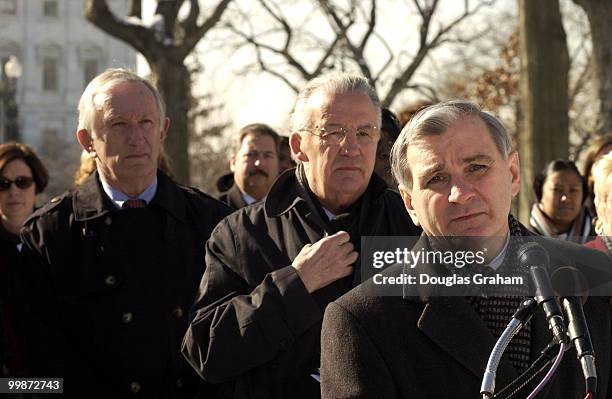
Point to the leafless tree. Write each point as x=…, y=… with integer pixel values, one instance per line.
x=165, y=43
x=544, y=86
x=297, y=49
x=600, y=14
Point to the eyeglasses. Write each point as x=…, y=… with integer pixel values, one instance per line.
x=22, y=183
x=367, y=134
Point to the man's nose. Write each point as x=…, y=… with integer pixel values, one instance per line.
x=136, y=133
x=461, y=191
x=349, y=145
x=258, y=161
x=564, y=197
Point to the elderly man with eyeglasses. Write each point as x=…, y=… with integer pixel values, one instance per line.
x=272, y=267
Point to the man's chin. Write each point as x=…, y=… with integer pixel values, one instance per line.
x=354, y=186
x=137, y=171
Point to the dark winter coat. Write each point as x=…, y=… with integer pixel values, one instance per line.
x=254, y=322
x=12, y=357
x=233, y=198
x=108, y=290
x=392, y=347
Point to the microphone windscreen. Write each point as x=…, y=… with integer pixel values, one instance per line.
x=533, y=254
x=569, y=281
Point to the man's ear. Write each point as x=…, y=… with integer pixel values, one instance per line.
x=295, y=141
x=408, y=204
x=84, y=139
x=165, y=127
x=514, y=165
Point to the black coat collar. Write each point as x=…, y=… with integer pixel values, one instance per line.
x=234, y=197
x=7, y=236
x=285, y=194
x=90, y=201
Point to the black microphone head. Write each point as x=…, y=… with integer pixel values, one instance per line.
x=533, y=254
x=569, y=281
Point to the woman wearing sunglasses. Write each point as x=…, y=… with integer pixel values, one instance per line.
x=22, y=176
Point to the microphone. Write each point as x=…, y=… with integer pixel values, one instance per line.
x=533, y=257
x=579, y=335
x=574, y=289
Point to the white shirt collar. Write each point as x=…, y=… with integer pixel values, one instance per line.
x=119, y=197
x=247, y=198
x=330, y=215
x=499, y=259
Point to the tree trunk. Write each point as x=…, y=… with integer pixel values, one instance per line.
x=172, y=80
x=544, y=92
x=599, y=13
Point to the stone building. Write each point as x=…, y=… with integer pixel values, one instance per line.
x=59, y=51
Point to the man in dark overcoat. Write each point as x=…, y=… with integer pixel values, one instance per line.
x=458, y=174
x=272, y=267
x=113, y=266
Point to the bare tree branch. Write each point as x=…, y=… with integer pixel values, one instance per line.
x=387, y=63
x=342, y=28
x=581, y=81
x=169, y=11
x=194, y=36
x=284, y=52
x=98, y=13
x=425, y=46
x=190, y=24
x=344, y=47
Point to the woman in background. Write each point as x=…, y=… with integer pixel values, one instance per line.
x=22, y=176
x=559, y=211
x=598, y=148
x=602, y=179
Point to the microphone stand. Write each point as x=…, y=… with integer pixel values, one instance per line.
x=547, y=355
x=519, y=319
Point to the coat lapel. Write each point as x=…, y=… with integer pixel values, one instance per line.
x=444, y=321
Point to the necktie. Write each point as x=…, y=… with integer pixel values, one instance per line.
x=134, y=203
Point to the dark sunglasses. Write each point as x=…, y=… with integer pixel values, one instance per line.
x=22, y=182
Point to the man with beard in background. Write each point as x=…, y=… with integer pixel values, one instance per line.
x=254, y=164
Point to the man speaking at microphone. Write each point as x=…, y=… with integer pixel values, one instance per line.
x=457, y=174
x=272, y=267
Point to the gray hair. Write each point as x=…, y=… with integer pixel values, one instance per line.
x=435, y=120
x=105, y=81
x=332, y=84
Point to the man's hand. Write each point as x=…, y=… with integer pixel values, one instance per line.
x=325, y=261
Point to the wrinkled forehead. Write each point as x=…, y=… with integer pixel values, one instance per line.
x=325, y=107
x=463, y=142
x=123, y=94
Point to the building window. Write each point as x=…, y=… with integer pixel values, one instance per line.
x=50, y=8
x=50, y=74
x=8, y=7
x=90, y=70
